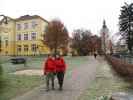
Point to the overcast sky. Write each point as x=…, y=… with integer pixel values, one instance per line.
x=88, y=14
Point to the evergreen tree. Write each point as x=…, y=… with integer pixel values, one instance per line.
x=126, y=24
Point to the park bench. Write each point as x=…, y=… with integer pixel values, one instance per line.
x=18, y=60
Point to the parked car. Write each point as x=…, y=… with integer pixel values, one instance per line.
x=18, y=60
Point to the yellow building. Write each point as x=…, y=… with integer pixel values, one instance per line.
x=23, y=36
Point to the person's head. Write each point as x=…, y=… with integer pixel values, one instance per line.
x=57, y=56
x=50, y=56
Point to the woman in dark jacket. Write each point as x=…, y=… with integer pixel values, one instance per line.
x=60, y=70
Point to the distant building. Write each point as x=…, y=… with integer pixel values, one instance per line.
x=23, y=36
x=121, y=46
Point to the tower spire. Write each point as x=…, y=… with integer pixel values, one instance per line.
x=104, y=24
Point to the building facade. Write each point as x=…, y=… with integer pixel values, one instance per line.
x=23, y=36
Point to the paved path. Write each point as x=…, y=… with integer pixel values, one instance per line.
x=75, y=84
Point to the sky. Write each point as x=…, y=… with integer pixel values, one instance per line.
x=86, y=14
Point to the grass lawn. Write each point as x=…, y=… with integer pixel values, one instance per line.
x=37, y=63
x=32, y=63
x=106, y=83
x=14, y=85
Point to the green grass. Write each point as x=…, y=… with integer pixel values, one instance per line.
x=32, y=63
x=105, y=84
x=14, y=85
x=37, y=63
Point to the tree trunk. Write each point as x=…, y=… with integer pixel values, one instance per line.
x=55, y=47
x=130, y=39
x=55, y=50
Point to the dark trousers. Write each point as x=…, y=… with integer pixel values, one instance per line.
x=60, y=77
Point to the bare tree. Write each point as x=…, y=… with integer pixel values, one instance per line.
x=95, y=43
x=56, y=36
x=81, y=41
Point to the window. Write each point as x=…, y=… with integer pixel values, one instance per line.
x=18, y=26
x=34, y=47
x=25, y=36
x=19, y=48
x=26, y=48
x=25, y=25
x=34, y=24
x=33, y=36
x=18, y=36
x=6, y=43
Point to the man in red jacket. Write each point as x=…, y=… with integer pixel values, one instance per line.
x=60, y=70
x=49, y=70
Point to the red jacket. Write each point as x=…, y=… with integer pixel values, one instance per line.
x=60, y=65
x=49, y=66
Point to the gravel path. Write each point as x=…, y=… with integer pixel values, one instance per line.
x=76, y=82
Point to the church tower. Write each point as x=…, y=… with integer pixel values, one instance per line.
x=104, y=32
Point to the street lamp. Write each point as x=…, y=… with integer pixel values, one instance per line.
x=5, y=21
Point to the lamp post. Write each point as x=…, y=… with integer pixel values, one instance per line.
x=5, y=21
x=1, y=28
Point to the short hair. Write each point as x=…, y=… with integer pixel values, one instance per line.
x=49, y=55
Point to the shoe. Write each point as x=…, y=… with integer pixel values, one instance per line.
x=60, y=88
x=47, y=89
x=53, y=88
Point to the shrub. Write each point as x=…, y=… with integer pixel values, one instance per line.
x=120, y=66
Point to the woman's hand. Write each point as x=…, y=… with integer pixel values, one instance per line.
x=45, y=73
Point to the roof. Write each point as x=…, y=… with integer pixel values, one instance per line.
x=28, y=17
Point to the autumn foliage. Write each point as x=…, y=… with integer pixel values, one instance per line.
x=56, y=36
